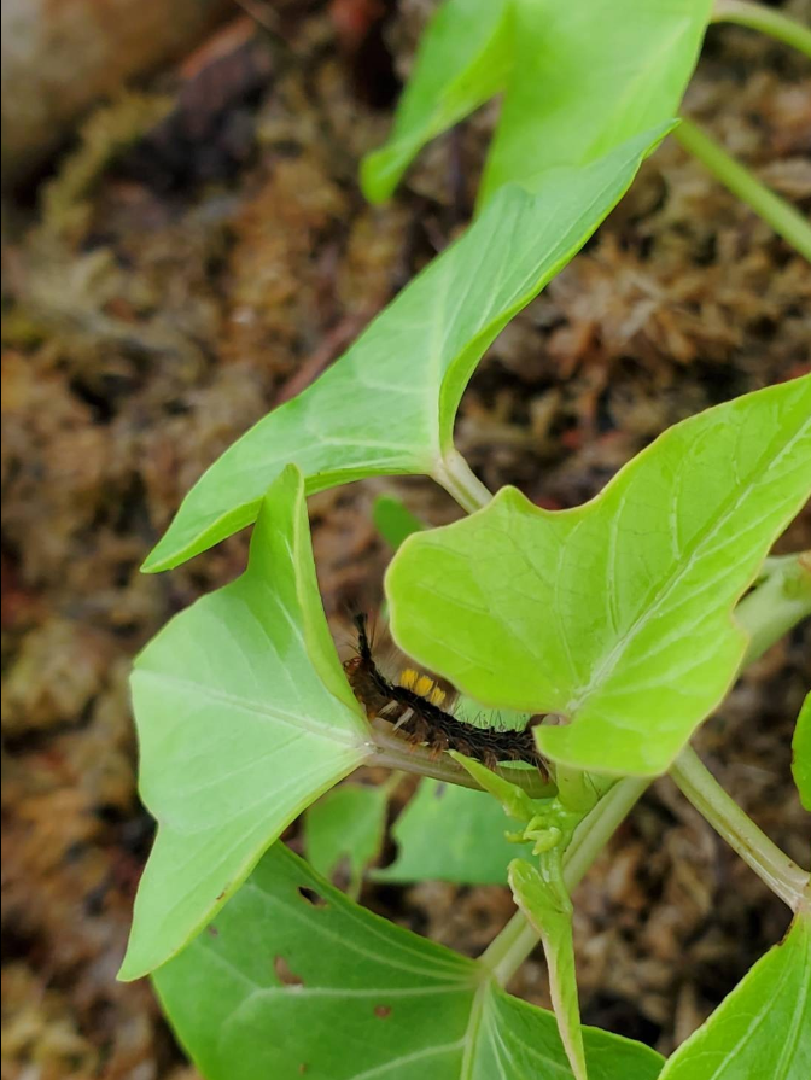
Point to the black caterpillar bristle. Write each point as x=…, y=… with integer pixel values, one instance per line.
x=424, y=721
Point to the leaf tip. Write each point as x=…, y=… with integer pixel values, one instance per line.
x=153, y=563
x=168, y=553
x=131, y=970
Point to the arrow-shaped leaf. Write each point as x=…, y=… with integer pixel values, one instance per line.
x=616, y=614
x=244, y=717
x=295, y=979
x=388, y=405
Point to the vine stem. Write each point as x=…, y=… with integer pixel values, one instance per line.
x=454, y=474
x=766, y=20
x=516, y=941
x=700, y=787
x=509, y=950
x=390, y=750
x=782, y=217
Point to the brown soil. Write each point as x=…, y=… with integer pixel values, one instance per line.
x=200, y=255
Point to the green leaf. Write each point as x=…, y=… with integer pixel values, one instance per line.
x=586, y=77
x=244, y=717
x=579, y=791
x=294, y=979
x=616, y=614
x=762, y=1028
x=801, y=753
x=347, y=822
x=581, y=78
x=394, y=521
x=465, y=55
x=388, y=405
x=515, y=802
x=513, y=1044
x=449, y=833
x=781, y=599
x=547, y=905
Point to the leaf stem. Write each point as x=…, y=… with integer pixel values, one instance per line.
x=392, y=751
x=766, y=614
x=512, y=946
x=454, y=474
x=782, y=217
x=509, y=949
x=766, y=20
x=780, y=601
x=700, y=787
x=596, y=829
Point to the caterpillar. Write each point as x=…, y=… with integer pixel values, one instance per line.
x=414, y=706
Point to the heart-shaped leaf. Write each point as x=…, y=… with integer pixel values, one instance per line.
x=388, y=405
x=295, y=979
x=616, y=614
x=244, y=717
x=762, y=1028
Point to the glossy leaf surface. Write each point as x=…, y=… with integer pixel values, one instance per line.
x=586, y=77
x=244, y=717
x=762, y=1028
x=388, y=405
x=580, y=78
x=296, y=980
x=616, y=614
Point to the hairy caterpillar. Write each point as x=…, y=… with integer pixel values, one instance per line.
x=414, y=706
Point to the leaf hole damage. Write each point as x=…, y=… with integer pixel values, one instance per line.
x=310, y=896
x=284, y=974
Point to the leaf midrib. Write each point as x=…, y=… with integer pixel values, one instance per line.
x=659, y=597
x=304, y=724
